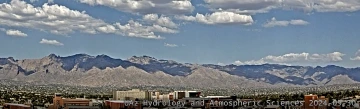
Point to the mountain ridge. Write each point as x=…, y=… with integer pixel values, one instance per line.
x=87, y=70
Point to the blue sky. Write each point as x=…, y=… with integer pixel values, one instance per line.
x=302, y=32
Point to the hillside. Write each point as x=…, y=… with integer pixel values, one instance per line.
x=102, y=70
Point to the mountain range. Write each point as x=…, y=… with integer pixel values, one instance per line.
x=102, y=70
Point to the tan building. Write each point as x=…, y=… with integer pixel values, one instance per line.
x=155, y=95
x=308, y=100
x=165, y=97
x=131, y=95
x=324, y=102
x=64, y=103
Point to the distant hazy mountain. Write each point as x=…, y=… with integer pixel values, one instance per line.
x=102, y=70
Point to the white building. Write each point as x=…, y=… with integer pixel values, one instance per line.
x=158, y=96
x=131, y=95
x=175, y=95
x=186, y=94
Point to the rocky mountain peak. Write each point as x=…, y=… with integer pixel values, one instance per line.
x=332, y=66
x=81, y=55
x=53, y=56
x=11, y=59
x=169, y=61
x=142, y=59
x=86, y=65
x=103, y=56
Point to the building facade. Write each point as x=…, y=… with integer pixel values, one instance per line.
x=64, y=103
x=309, y=100
x=186, y=94
x=164, y=97
x=131, y=95
x=324, y=102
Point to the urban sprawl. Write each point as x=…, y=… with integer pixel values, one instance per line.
x=141, y=98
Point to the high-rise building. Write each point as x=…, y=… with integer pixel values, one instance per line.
x=131, y=95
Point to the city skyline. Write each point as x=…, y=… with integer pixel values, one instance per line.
x=307, y=33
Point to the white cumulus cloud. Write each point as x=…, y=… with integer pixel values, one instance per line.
x=61, y=20
x=294, y=58
x=160, y=20
x=136, y=29
x=51, y=42
x=263, y=6
x=54, y=18
x=273, y=22
x=168, y=7
x=357, y=56
x=50, y=1
x=15, y=33
x=158, y=28
x=170, y=45
x=219, y=18
x=252, y=62
x=323, y=5
x=243, y=6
